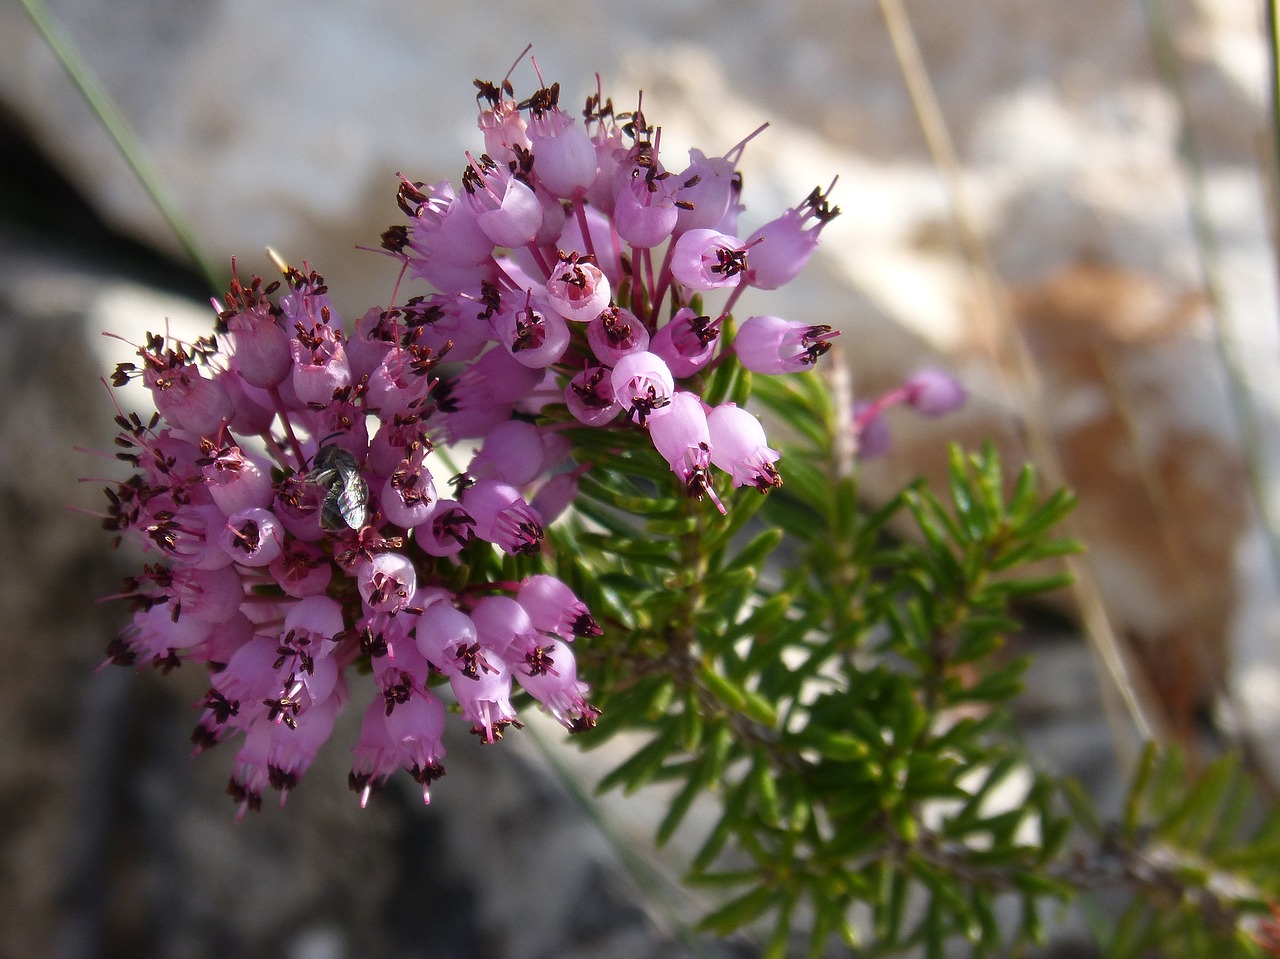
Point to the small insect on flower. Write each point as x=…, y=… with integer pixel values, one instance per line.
x=346, y=498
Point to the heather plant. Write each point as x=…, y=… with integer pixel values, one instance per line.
x=541, y=476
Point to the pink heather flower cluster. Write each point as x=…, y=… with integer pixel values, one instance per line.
x=302, y=533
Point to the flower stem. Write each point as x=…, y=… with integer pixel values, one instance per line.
x=126, y=141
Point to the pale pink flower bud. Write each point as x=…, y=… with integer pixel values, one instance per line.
x=933, y=392
x=870, y=431
x=512, y=452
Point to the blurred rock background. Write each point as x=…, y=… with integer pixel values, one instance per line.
x=284, y=124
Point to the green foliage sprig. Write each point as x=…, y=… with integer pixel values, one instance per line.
x=834, y=678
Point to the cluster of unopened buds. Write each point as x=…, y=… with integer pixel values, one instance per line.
x=290, y=489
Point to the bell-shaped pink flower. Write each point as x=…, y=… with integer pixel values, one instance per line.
x=506, y=209
x=771, y=345
x=387, y=582
x=564, y=158
x=446, y=531
x=503, y=626
x=443, y=242
x=187, y=399
x=555, y=495
x=680, y=434
x=503, y=127
x=301, y=570
x=237, y=480
x=577, y=289
x=319, y=365
x=443, y=635
x=705, y=260
x=615, y=333
x=551, y=677
x=553, y=608
x=277, y=755
x=739, y=448
x=645, y=210
x=503, y=517
x=416, y=727
x=408, y=497
x=642, y=385
x=153, y=635
x=399, y=384
x=211, y=595
x=687, y=343
x=485, y=699
x=781, y=248
x=262, y=354
x=535, y=336
x=590, y=398
x=252, y=411
x=706, y=188
x=252, y=537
